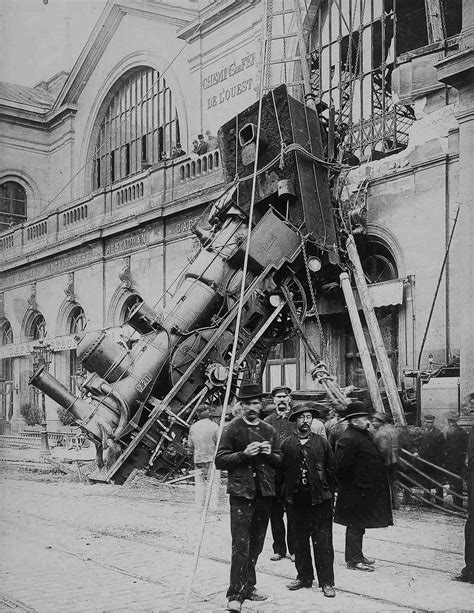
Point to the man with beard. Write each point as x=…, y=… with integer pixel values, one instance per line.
x=364, y=493
x=279, y=420
x=250, y=453
x=308, y=487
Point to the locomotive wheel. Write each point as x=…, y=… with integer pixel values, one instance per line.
x=284, y=326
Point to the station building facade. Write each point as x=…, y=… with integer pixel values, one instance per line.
x=96, y=212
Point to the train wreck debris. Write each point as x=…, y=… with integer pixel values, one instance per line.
x=138, y=403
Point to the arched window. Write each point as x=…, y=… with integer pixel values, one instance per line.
x=12, y=204
x=76, y=324
x=139, y=124
x=129, y=335
x=6, y=377
x=37, y=328
x=354, y=46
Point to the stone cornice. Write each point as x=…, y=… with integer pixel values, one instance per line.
x=457, y=69
x=215, y=16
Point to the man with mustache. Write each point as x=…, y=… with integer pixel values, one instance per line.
x=308, y=486
x=250, y=453
x=364, y=493
x=279, y=420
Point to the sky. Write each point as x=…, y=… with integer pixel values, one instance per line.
x=34, y=41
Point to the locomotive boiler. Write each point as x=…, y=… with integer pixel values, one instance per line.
x=138, y=403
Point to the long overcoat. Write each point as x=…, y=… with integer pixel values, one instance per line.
x=364, y=494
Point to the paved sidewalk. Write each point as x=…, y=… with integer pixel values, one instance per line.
x=70, y=547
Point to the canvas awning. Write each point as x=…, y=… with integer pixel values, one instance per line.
x=386, y=293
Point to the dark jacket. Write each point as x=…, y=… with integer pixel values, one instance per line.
x=433, y=447
x=364, y=494
x=283, y=426
x=320, y=462
x=235, y=438
x=456, y=447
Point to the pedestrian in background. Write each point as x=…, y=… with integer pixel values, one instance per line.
x=386, y=438
x=364, y=495
x=308, y=487
x=250, y=453
x=433, y=450
x=456, y=447
x=282, y=536
x=202, y=441
x=467, y=573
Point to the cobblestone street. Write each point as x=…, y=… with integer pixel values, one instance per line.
x=81, y=547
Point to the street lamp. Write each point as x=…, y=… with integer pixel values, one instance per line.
x=42, y=357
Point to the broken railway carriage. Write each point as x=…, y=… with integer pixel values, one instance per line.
x=138, y=402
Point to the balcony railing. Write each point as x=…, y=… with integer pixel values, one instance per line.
x=161, y=184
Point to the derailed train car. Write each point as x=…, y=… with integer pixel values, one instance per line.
x=137, y=404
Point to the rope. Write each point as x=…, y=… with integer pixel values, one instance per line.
x=440, y=276
x=235, y=342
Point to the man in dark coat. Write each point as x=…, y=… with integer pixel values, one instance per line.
x=456, y=446
x=250, y=453
x=467, y=573
x=279, y=420
x=308, y=487
x=364, y=493
x=433, y=450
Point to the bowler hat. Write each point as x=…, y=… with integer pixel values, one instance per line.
x=302, y=407
x=355, y=409
x=249, y=390
x=281, y=388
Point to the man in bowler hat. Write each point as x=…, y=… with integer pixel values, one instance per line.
x=279, y=420
x=308, y=486
x=250, y=453
x=364, y=494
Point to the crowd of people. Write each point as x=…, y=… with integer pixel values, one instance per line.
x=285, y=469
x=200, y=147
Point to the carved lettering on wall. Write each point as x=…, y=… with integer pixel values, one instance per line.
x=128, y=243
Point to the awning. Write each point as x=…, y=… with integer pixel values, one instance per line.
x=386, y=293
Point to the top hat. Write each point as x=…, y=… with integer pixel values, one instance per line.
x=248, y=391
x=281, y=388
x=302, y=407
x=355, y=409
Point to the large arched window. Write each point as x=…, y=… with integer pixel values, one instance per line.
x=12, y=204
x=139, y=124
x=76, y=324
x=6, y=377
x=354, y=46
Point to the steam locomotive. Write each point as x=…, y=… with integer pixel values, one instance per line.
x=138, y=403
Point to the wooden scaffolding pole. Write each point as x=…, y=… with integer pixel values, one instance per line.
x=361, y=344
x=375, y=335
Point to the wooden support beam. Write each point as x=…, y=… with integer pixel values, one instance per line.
x=377, y=340
x=361, y=343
